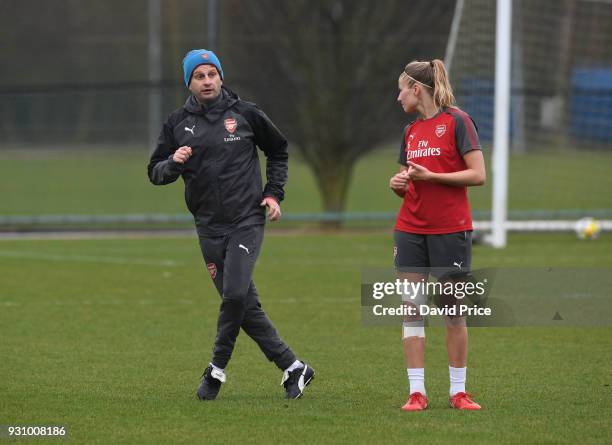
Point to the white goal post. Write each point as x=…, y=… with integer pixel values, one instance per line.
x=501, y=130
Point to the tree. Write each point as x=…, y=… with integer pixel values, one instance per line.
x=326, y=71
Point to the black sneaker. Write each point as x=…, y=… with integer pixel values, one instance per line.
x=296, y=381
x=210, y=384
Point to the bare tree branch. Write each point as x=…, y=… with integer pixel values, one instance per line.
x=326, y=71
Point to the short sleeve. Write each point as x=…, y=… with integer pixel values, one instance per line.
x=466, y=133
x=402, y=154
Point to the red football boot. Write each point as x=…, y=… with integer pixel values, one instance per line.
x=463, y=400
x=416, y=402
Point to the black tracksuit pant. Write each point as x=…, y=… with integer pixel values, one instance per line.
x=230, y=259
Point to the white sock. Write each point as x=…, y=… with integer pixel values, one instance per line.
x=416, y=379
x=221, y=370
x=457, y=380
x=296, y=364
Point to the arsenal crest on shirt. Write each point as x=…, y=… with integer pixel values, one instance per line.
x=212, y=268
x=440, y=130
x=230, y=124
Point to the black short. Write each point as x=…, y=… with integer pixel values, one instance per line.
x=443, y=254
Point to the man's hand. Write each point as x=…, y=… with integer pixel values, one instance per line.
x=417, y=172
x=182, y=154
x=274, y=211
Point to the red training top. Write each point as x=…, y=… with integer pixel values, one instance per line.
x=439, y=144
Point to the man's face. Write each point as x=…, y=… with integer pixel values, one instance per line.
x=205, y=83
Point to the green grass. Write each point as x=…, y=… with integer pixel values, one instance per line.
x=109, y=336
x=115, y=182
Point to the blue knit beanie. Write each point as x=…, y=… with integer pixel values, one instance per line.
x=197, y=57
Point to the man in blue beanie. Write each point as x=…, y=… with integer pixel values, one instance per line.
x=211, y=143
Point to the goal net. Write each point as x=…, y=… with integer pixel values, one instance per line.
x=560, y=103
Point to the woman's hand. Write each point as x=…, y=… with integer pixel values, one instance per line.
x=417, y=172
x=474, y=174
x=399, y=182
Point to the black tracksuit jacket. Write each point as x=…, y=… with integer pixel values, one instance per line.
x=223, y=187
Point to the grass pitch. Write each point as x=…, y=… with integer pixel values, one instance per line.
x=109, y=337
x=115, y=182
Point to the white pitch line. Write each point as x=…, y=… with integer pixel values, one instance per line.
x=109, y=301
x=88, y=259
x=96, y=234
x=101, y=301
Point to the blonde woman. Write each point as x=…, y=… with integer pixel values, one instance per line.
x=440, y=157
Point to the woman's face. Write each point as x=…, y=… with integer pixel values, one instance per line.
x=407, y=96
